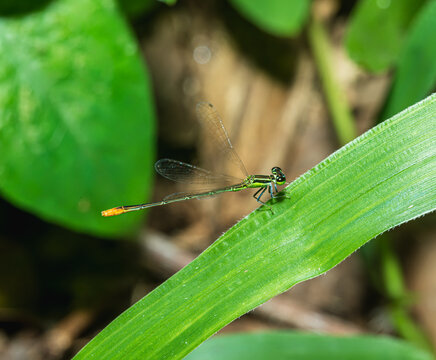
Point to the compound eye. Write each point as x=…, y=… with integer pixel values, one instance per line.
x=281, y=179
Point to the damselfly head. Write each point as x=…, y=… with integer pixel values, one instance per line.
x=279, y=176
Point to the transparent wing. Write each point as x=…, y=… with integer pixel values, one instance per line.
x=213, y=125
x=189, y=174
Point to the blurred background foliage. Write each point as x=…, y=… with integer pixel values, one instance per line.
x=78, y=107
x=70, y=120
x=281, y=345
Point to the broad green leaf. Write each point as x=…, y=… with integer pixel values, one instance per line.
x=377, y=30
x=415, y=77
x=278, y=17
x=293, y=345
x=76, y=117
x=382, y=179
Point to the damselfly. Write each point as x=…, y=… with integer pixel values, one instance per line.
x=212, y=183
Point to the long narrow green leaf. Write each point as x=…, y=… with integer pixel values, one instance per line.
x=293, y=345
x=380, y=180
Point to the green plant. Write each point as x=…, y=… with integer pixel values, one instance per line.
x=377, y=31
x=293, y=345
x=88, y=144
x=380, y=35
x=382, y=179
x=76, y=115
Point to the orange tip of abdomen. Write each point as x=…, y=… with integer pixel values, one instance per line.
x=113, y=211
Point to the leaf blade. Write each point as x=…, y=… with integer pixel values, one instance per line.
x=290, y=345
x=76, y=115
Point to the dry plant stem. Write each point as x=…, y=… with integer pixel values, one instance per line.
x=167, y=258
x=283, y=310
x=60, y=338
x=346, y=131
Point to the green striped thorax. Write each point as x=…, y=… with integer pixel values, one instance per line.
x=256, y=181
